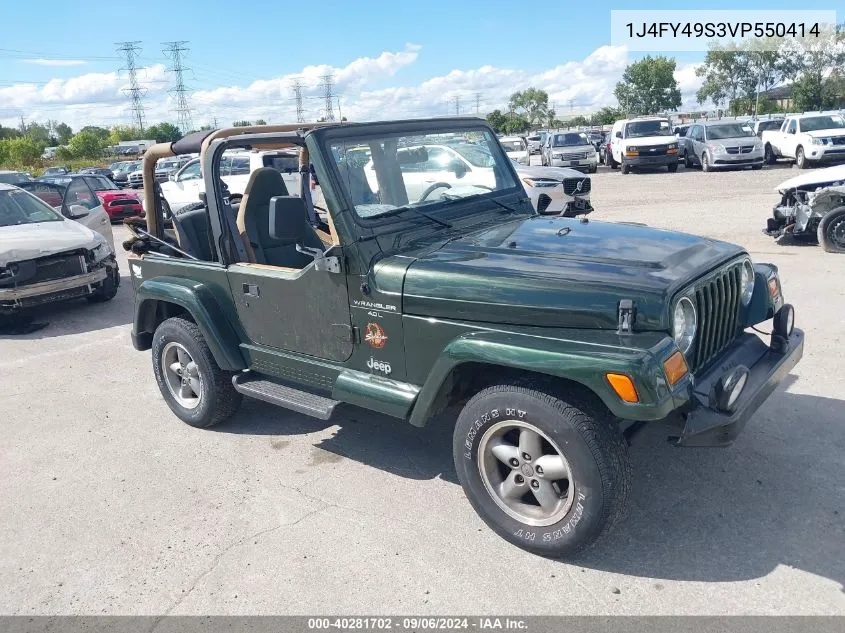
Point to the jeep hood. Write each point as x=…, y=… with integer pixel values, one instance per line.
x=558, y=272
x=819, y=177
x=29, y=241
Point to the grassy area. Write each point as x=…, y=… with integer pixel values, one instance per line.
x=74, y=165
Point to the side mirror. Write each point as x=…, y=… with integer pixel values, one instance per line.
x=458, y=168
x=77, y=211
x=618, y=135
x=172, y=177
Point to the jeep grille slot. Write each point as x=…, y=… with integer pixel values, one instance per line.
x=717, y=304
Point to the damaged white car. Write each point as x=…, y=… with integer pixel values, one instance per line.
x=556, y=190
x=812, y=206
x=46, y=257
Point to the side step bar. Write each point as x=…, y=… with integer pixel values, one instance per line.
x=263, y=388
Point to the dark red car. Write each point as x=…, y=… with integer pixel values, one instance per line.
x=116, y=202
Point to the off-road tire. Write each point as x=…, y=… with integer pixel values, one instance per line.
x=108, y=287
x=218, y=400
x=672, y=168
x=626, y=168
x=770, y=156
x=801, y=161
x=705, y=162
x=596, y=452
x=831, y=231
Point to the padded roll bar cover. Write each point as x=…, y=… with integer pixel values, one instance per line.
x=190, y=144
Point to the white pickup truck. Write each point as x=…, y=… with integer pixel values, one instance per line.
x=183, y=187
x=808, y=139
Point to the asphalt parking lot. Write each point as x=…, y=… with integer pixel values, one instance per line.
x=109, y=504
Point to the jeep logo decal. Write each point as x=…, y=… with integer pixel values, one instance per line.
x=379, y=365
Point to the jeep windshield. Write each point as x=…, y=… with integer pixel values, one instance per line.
x=815, y=123
x=388, y=173
x=637, y=129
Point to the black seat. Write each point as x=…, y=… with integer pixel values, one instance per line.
x=194, y=232
x=291, y=227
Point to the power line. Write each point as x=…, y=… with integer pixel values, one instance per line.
x=175, y=50
x=130, y=50
x=327, y=84
x=297, y=86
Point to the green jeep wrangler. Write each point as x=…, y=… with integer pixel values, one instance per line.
x=427, y=281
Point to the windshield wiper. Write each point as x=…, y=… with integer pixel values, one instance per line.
x=426, y=215
x=453, y=197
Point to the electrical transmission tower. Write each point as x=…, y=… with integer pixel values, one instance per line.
x=296, y=86
x=130, y=51
x=175, y=51
x=477, y=102
x=327, y=84
x=457, y=101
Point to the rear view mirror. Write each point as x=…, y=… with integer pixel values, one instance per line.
x=77, y=211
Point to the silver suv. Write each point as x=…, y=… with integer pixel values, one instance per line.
x=570, y=149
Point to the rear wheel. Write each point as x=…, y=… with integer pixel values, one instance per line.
x=550, y=475
x=770, y=157
x=194, y=387
x=831, y=231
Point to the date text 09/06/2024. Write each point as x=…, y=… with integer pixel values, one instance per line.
x=722, y=29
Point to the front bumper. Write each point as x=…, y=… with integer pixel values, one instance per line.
x=577, y=163
x=49, y=291
x=645, y=160
x=737, y=160
x=826, y=153
x=704, y=424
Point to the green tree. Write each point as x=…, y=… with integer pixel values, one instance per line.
x=578, y=121
x=8, y=132
x=733, y=77
x=38, y=133
x=123, y=133
x=243, y=123
x=648, y=86
x=532, y=104
x=63, y=133
x=89, y=142
x=497, y=121
x=164, y=133
x=21, y=151
x=816, y=66
x=608, y=116
x=100, y=133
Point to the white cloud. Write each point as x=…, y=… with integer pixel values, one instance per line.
x=54, y=62
x=574, y=87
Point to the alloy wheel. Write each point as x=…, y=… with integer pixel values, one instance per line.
x=525, y=473
x=182, y=375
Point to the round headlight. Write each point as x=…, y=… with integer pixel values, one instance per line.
x=747, y=281
x=684, y=322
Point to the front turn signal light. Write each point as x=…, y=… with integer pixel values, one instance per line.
x=624, y=387
x=675, y=367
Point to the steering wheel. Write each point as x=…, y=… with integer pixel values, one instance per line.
x=428, y=190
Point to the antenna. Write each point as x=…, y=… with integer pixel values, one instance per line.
x=175, y=50
x=130, y=51
x=327, y=84
x=296, y=85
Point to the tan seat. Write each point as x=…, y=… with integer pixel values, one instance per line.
x=254, y=223
x=264, y=183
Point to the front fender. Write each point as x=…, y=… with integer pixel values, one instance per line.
x=198, y=300
x=581, y=356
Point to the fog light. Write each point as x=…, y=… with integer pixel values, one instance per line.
x=784, y=321
x=730, y=387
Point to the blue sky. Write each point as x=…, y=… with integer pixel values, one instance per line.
x=392, y=58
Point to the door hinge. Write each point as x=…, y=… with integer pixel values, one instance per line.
x=627, y=314
x=350, y=332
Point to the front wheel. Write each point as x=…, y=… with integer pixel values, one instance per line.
x=672, y=168
x=831, y=231
x=594, y=168
x=801, y=159
x=705, y=162
x=193, y=385
x=626, y=168
x=108, y=287
x=547, y=474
